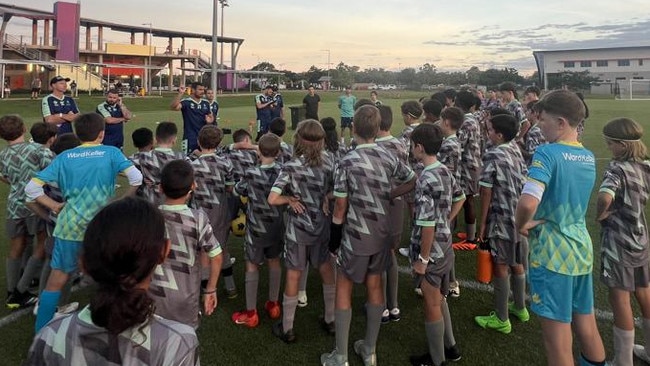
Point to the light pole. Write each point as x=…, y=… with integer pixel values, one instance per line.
x=148, y=70
x=215, y=42
x=223, y=3
x=329, y=81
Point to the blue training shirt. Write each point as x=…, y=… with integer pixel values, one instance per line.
x=51, y=105
x=194, y=114
x=114, y=132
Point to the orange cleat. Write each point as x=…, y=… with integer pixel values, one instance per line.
x=273, y=309
x=248, y=318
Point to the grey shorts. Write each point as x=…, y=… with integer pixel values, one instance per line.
x=357, y=267
x=507, y=252
x=26, y=226
x=437, y=274
x=299, y=257
x=470, y=184
x=396, y=214
x=256, y=253
x=615, y=275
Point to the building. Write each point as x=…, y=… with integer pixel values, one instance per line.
x=612, y=66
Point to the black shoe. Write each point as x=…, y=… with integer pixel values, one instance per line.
x=452, y=353
x=19, y=300
x=286, y=337
x=329, y=328
x=421, y=360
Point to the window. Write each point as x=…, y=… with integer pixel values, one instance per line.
x=585, y=63
x=623, y=62
x=637, y=77
x=568, y=64
x=601, y=63
x=621, y=78
x=640, y=62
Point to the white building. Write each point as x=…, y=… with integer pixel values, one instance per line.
x=615, y=65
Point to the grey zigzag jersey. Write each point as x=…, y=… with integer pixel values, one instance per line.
x=532, y=140
x=469, y=138
x=150, y=163
x=176, y=282
x=449, y=155
x=241, y=159
x=286, y=153
x=74, y=340
x=366, y=176
x=405, y=137
x=311, y=185
x=435, y=192
x=624, y=233
x=264, y=223
x=504, y=171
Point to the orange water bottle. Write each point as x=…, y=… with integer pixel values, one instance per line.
x=484, y=263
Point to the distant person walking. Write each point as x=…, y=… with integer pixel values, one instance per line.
x=36, y=87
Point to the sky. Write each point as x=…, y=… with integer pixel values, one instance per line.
x=389, y=34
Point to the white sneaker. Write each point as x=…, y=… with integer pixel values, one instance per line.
x=405, y=252
x=233, y=260
x=454, y=289
x=418, y=291
x=302, y=299
x=640, y=352
x=66, y=309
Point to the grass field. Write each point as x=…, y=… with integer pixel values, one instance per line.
x=223, y=343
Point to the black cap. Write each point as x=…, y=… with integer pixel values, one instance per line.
x=58, y=78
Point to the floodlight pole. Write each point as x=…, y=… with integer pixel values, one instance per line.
x=215, y=42
x=148, y=70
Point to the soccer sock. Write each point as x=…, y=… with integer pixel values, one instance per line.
x=46, y=308
x=392, y=283
x=45, y=274
x=646, y=335
x=275, y=276
x=303, y=280
x=519, y=291
x=501, y=297
x=452, y=272
x=623, y=345
x=226, y=273
x=583, y=361
x=288, y=312
x=471, y=232
x=435, y=340
x=13, y=273
x=33, y=268
x=342, y=322
x=373, y=323
x=252, y=279
x=329, y=296
x=450, y=340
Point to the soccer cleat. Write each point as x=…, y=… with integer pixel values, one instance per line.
x=63, y=310
x=421, y=360
x=406, y=252
x=640, y=353
x=329, y=328
x=333, y=359
x=385, y=317
x=492, y=321
x=521, y=314
x=19, y=300
x=360, y=350
x=454, y=289
x=273, y=309
x=286, y=337
x=248, y=318
x=452, y=353
x=302, y=299
x=233, y=260
x=231, y=293
x=395, y=315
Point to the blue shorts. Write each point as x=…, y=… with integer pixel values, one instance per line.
x=346, y=122
x=65, y=255
x=558, y=296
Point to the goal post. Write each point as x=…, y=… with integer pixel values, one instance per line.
x=636, y=89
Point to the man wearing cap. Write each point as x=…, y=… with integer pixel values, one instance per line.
x=115, y=115
x=264, y=104
x=58, y=108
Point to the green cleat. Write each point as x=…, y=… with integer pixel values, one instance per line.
x=522, y=314
x=492, y=321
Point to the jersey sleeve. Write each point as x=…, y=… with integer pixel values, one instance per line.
x=207, y=241
x=341, y=188
x=229, y=173
x=185, y=103
x=282, y=181
x=120, y=162
x=241, y=187
x=541, y=169
x=403, y=172
x=457, y=193
x=611, y=182
x=489, y=171
x=50, y=174
x=425, y=214
x=101, y=109
x=45, y=107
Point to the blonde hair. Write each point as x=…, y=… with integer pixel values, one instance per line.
x=309, y=142
x=627, y=132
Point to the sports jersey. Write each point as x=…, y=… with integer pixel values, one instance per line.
x=176, y=283
x=562, y=243
x=624, y=233
x=346, y=104
x=241, y=159
x=449, y=155
x=276, y=111
x=504, y=171
x=264, y=115
x=150, y=164
x=311, y=106
x=311, y=185
x=405, y=137
x=470, y=157
x=114, y=132
x=86, y=176
x=395, y=146
x=75, y=340
x=194, y=114
x=366, y=176
x=532, y=140
x=517, y=110
x=18, y=164
x=436, y=190
x=286, y=152
x=214, y=108
x=51, y=105
x=264, y=223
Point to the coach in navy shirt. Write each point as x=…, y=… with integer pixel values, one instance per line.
x=115, y=115
x=57, y=108
x=196, y=114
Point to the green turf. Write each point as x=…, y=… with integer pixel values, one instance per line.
x=224, y=343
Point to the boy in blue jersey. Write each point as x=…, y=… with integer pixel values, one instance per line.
x=86, y=176
x=58, y=108
x=551, y=212
x=196, y=114
x=115, y=116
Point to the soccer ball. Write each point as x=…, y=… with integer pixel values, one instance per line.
x=238, y=225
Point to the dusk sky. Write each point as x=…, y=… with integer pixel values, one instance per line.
x=391, y=34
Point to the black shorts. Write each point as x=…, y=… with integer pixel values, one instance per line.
x=346, y=122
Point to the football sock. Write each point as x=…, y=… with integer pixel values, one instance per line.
x=519, y=291
x=392, y=282
x=329, y=297
x=252, y=279
x=646, y=334
x=13, y=273
x=435, y=340
x=452, y=272
x=450, y=340
x=32, y=269
x=46, y=308
x=45, y=274
x=303, y=280
x=471, y=231
x=501, y=293
x=373, y=323
x=226, y=273
x=623, y=345
x=275, y=276
x=289, y=305
x=583, y=361
x=342, y=322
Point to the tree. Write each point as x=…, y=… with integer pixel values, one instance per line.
x=572, y=80
x=264, y=66
x=313, y=74
x=343, y=75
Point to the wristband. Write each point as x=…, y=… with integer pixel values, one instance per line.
x=421, y=259
x=336, y=235
x=209, y=292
